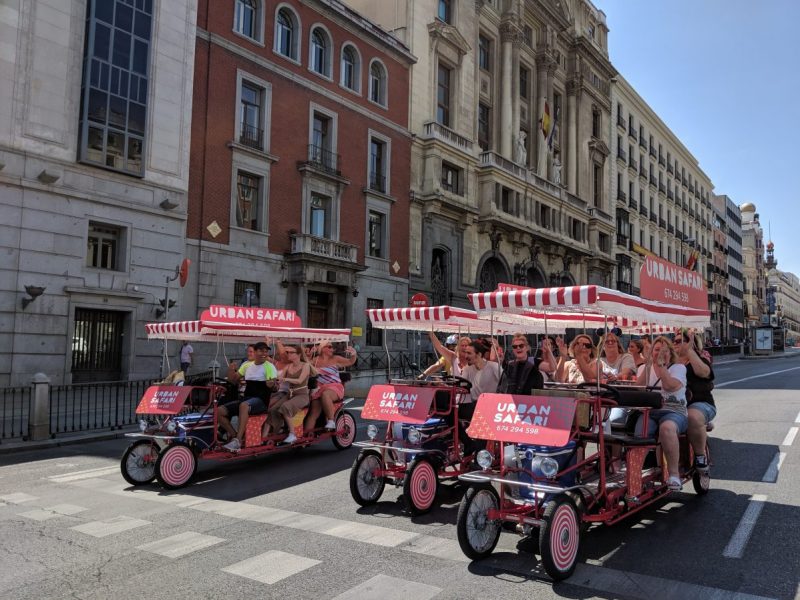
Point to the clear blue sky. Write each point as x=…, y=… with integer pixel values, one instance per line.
x=724, y=75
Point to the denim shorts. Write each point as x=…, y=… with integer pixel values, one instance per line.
x=657, y=416
x=256, y=405
x=709, y=411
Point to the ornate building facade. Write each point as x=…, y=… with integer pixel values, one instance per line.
x=731, y=220
x=494, y=199
x=753, y=262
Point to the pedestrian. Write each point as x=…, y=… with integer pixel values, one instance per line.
x=186, y=356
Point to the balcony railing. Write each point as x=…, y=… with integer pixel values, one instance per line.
x=661, y=161
x=669, y=194
x=643, y=209
x=642, y=172
x=653, y=152
x=434, y=130
x=303, y=243
x=642, y=142
x=670, y=229
x=662, y=188
x=622, y=240
x=632, y=162
x=621, y=196
x=633, y=204
x=596, y=213
x=632, y=131
x=323, y=159
x=653, y=218
x=653, y=181
x=377, y=182
x=492, y=159
x=669, y=168
x=621, y=122
x=251, y=136
x=662, y=223
x=621, y=154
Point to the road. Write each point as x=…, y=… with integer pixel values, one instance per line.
x=286, y=527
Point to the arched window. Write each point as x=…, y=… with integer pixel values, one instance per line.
x=320, y=52
x=286, y=34
x=245, y=19
x=440, y=277
x=350, y=68
x=377, y=83
x=492, y=272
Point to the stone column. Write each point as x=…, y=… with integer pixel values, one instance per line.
x=507, y=135
x=572, y=139
x=541, y=90
x=39, y=426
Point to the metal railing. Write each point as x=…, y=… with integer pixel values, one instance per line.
x=15, y=410
x=323, y=159
x=377, y=182
x=251, y=136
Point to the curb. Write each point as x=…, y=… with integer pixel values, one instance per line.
x=770, y=356
x=15, y=447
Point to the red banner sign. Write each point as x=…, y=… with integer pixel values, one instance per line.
x=163, y=399
x=420, y=301
x=404, y=403
x=540, y=420
x=250, y=315
x=666, y=282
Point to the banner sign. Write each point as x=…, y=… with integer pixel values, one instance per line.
x=251, y=315
x=163, y=399
x=403, y=403
x=667, y=282
x=540, y=420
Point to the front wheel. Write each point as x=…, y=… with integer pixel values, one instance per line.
x=702, y=481
x=345, y=430
x=138, y=464
x=176, y=466
x=366, y=486
x=477, y=534
x=559, y=537
x=420, y=486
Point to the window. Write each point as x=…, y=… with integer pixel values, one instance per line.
x=103, y=247
x=443, y=96
x=377, y=83
x=251, y=133
x=246, y=293
x=484, y=126
x=248, y=194
x=451, y=179
x=377, y=165
x=351, y=69
x=598, y=185
x=374, y=335
x=484, y=53
x=320, y=54
x=245, y=19
x=524, y=79
x=287, y=34
x=320, y=217
x=444, y=12
x=596, y=124
x=376, y=233
x=114, y=86
x=322, y=151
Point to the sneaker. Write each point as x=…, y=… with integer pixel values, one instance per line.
x=290, y=439
x=674, y=484
x=330, y=425
x=234, y=445
x=700, y=463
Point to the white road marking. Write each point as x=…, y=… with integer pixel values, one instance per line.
x=438, y=547
x=797, y=418
x=39, y=514
x=59, y=510
x=719, y=385
x=735, y=547
x=101, y=529
x=390, y=588
x=771, y=476
x=87, y=474
x=789, y=439
x=271, y=566
x=18, y=498
x=181, y=544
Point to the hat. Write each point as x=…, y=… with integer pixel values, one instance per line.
x=451, y=340
x=261, y=346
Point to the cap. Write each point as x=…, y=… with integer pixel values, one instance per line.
x=260, y=346
x=451, y=340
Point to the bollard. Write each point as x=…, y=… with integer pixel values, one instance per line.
x=39, y=424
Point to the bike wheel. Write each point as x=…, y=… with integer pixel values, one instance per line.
x=345, y=430
x=138, y=464
x=559, y=537
x=420, y=486
x=702, y=481
x=176, y=466
x=477, y=535
x=365, y=486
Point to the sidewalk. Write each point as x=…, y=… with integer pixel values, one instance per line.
x=67, y=440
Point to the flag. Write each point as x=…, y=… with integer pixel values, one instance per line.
x=551, y=136
x=692, y=260
x=545, y=121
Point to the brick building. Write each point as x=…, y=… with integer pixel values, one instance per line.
x=300, y=155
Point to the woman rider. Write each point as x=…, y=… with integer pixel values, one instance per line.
x=636, y=350
x=614, y=361
x=583, y=366
x=329, y=385
x=292, y=394
x=699, y=382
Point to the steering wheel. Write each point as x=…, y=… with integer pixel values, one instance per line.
x=462, y=383
x=607, y=391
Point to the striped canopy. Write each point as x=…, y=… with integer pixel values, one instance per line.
x=448, y=319
x=213, y=331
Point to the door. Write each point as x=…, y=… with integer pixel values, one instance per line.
x=97, y=345
x=318, y=305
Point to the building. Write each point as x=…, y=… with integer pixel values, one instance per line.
x=732, y=221
x=785, y=288
x=493, y=199
x=95, y=103
x=662, y=196
x=300, y=162
x=718, y=299
x=754, y=306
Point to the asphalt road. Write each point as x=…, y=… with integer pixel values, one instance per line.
x=285, y=526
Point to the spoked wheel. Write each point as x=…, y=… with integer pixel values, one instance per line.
x=365, y=485
x=345, y=430
x=702, y=481
x=176, y=466
x=138, y=464
x=477, y=535
x=559, y=537
x=420, y=486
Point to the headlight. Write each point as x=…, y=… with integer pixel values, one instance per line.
x=546, y=465
x=414, y=436
x=484, y=459
x=142, y=425
x=172, y=426
x=372, y=431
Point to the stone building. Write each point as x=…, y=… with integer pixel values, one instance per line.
x=718, y=300
x=95, y=104
x=494, y=199
x=786, y=289
x=300, y=162
x=753, y=263
x=732, y=222
x=661, y=195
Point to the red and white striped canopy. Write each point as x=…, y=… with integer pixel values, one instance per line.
x=176, y=330
x=588, y=299
x=448, y=319
x=214, y=331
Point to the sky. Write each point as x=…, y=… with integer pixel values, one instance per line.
x=724, y=76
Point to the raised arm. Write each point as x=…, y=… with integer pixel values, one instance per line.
x=349, y=359
x=440, y=348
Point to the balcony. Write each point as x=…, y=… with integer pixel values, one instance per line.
x=669, y=168
x=633, y=204
x=669, y=194
x=621, y=122
x=691, y=212
x=303, y=243
x=377, y=182
x=670, y=228
x=642, y=172
x=653, y=217
x=653, y=181
x=251, y=136
x=621, y=196
x=323, y=159
x=662, y=188
x=691, y=188
x=661, y=161
x=632, y=162
x=632, y=132
x=642, y=142
x=662, y=223
x=492, y=159
x=436, y=131
x=596, y=213
x=643, y=210
x=677, y=176
x=653, y=152
x=622, y=240
x=621, y=154
x=679, y=234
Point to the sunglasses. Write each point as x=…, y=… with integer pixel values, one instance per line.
x=584, y=345
x=517, y=346
x=290, y=351
x=678, y=341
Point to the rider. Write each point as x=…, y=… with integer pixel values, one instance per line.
x=445, y=362
x=329, y=384
x=455, y=356
x=523, y=374
x=582, y=367
x=662, y=367
x=615, y=363
x=260, y=379
x=483, y=374
x=292, y=396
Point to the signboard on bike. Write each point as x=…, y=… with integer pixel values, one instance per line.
x=163, y=399
x=667, y=282
x=540, y=420
x=404, y=403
